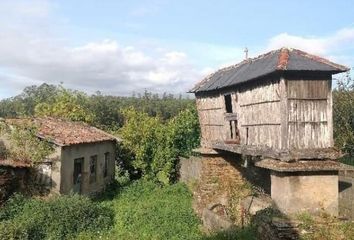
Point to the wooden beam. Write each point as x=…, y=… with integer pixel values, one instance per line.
x=312, y=122
x=260, y=124
x=257, y=103
x=209, y=109
x=212, y=125
x=307, y=99
x=330, y=113
x=230, y=116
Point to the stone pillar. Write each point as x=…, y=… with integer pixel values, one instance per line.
x=313, y=191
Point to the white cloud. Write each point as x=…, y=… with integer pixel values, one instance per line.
x=33, y=55
x=104, y=65
x=338, y=41
x=147, y=8
x=33, y=51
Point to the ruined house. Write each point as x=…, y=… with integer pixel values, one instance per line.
x=83, y=159
x=276, y=109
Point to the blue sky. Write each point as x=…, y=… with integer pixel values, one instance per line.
x=119, y=47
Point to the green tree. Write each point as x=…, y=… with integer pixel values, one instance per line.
x=67, y=104
x=153, y=146
x=343, y=114
x=185, y=131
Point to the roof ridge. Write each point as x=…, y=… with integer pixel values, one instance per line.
x=283, y=59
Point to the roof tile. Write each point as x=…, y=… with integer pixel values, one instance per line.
x=64, y=132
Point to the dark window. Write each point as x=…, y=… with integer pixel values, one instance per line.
x=106, y=161
x=78, y=162
x=93, y=168
x=228, y=103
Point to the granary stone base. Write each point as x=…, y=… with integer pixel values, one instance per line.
x=218, y=180
x=305, y=191
x=221, y=179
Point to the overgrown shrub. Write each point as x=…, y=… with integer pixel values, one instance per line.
x=24, y=142
x=152, y=146
x=59, y=218
x=343, y=114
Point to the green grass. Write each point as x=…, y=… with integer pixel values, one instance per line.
x=144, y=210
x=141, y=210
x=57, y=218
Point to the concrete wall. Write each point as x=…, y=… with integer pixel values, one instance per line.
x=47, y=172
x=313, y=192
x=69, y=153
x=346, y=193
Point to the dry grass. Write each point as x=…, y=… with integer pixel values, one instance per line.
x=324, y=227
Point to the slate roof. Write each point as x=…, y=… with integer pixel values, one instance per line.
x=63, y=132
x=284, y=59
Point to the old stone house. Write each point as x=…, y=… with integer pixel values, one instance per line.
x=277, y=110
x=83, y=160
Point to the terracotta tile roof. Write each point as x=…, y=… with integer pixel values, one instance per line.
x=284, y=59
x=14, y=163
x=63, y=132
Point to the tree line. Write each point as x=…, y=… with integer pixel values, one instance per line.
x=100, y=110
x=156, y=129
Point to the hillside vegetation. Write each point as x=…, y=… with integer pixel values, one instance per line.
x=141, y=210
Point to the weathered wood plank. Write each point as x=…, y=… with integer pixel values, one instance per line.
x=284, y=112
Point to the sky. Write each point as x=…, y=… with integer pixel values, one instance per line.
x=123, y=46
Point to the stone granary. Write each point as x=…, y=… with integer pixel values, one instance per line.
x=277, y=110
x=83, y=160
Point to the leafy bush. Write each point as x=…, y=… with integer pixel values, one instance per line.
x=152, y=146
x=24, y=143
x=343, y=114
x=59, y=218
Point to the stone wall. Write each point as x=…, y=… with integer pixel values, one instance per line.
x=346, y=193
x=11, y=180
x=219, y=178
x=223, y=178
